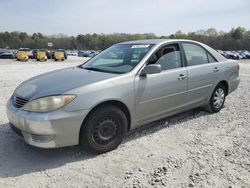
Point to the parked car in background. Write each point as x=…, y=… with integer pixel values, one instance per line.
x=235, y=54
x=245, y=55
x=81, y=53
x=223, y=53
x=242, y=54
x=7, y=55
x=124, y=87
x=88, y=53
x=238, y=54
x=231, y=55
x=2, y=50
x=68, y=52
x=72, y=53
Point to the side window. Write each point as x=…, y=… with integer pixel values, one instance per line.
x=168, y=57
x=195, y=54
x=211, y=58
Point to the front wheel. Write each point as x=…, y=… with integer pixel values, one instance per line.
x=104, y=129
x=217, y=99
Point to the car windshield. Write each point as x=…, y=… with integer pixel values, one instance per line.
x=119, y=59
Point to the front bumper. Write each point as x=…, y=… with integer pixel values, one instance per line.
x=23, y=58
x=42, y=58
x=46, y=130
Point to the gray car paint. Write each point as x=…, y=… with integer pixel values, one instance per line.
x=58, y=82
x=147, y=98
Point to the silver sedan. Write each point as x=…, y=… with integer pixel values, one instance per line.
x=126, y=86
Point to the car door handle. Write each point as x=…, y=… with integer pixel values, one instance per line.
x=216, y=69
x=181, y=77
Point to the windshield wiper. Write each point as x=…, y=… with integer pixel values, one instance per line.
x=93, y=69
x=99, y=70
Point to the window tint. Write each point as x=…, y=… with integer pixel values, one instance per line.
x=168, y=57
x=195, y=54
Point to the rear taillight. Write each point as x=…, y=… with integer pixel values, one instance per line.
x=238, y=66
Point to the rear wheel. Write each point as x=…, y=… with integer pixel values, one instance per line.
x=104, y=129
x=217, y=99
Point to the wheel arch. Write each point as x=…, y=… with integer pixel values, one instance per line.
x=225, y=84
x=116, y=103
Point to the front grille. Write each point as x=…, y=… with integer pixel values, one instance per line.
x=16, y=130
x=19, y=101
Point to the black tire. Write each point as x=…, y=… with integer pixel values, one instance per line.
x=104, y=129
x=218, y=92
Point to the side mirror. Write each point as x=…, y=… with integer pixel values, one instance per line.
x=151, y=69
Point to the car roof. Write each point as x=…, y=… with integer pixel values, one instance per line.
x=156, y=41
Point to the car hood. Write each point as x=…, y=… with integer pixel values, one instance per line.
x=59, y=81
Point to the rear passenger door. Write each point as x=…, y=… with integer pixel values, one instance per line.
x=202, y=70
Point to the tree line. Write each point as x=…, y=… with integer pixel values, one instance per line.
x=236, y=39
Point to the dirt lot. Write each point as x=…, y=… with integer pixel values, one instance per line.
x=193, y=149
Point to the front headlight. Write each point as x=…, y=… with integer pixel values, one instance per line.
x=47, y=104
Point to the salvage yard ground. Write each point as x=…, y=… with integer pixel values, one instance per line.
x=192, y=149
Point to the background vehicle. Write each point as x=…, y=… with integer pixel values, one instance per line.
x=88, y=53
x=41, y=55
x=247, y=53
x=223, y=53
x=72, y=53
x=231, y=55
x=81, y=53
x=2, y=50
x=60, y=55
x=244, y=55
x=238, y=54
x=7, y=55
x=23, y=54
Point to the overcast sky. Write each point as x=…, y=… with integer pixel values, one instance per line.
x=162, y=17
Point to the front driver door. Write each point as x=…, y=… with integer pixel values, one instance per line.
x=165, y=92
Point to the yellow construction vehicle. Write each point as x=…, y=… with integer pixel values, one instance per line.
x=60, y=55
x=41, y=55
x=22, y=54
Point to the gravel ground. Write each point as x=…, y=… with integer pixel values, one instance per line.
x=193, y=149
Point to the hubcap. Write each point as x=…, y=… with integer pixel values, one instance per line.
x=105, y=131
x=218, y=98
